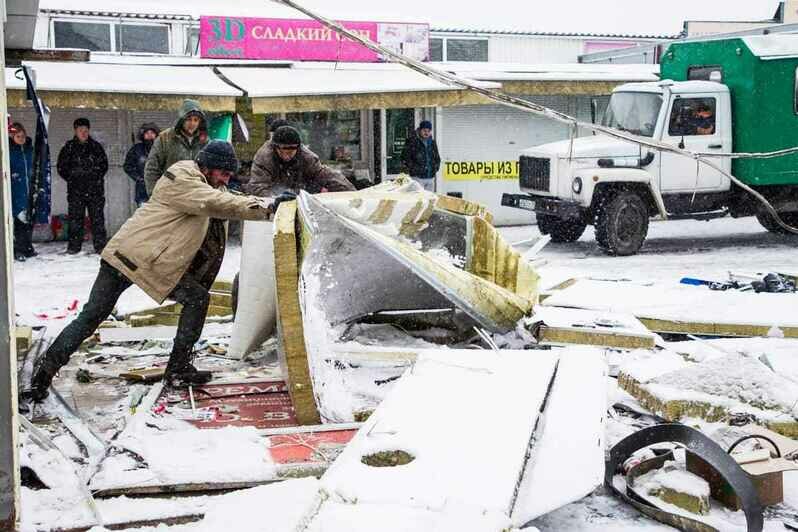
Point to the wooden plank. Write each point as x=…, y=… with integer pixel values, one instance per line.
x=714, y=329
x=24, y=336
x=144, y=375
x=584, y=336
x=293, y=354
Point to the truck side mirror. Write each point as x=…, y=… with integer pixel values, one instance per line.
x=593, y=110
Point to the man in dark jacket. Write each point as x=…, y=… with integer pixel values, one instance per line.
x=82, y=163
x=20, y=152
x=420, y=156
x=136, y=159
x=171, y=247
x=179, y=143
x=284, y=164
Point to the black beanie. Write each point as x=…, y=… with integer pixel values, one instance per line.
x=286, y=136
x=81, y=122
x=218, y=154
x=277, y=124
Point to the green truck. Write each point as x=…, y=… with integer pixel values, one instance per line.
x=735, y=95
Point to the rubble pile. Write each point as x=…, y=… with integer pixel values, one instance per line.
x=418, y=374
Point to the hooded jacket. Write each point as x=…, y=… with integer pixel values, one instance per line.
x=83, y=166
x=172, y=145
x=162, y=239
x=21, y=158
x=271, y=175
x=136, y=159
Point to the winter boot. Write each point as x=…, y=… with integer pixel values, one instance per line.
x=186, y=375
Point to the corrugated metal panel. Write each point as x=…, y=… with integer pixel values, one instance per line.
x=513, y=49
x=115, y=14
x=499, y=133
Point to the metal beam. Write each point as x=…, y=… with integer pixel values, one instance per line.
x=9, y=464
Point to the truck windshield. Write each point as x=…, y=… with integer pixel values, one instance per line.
x=635, y=112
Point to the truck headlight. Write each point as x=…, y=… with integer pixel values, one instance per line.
x=576, y=185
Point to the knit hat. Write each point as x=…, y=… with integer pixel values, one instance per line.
x=425, y=124
x=148, y=126
x=81, y=122
x=277, y=124
x=218, y=154
x=286, y=136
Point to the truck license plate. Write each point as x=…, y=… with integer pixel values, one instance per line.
x=527, y=204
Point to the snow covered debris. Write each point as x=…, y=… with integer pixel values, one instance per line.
x=279, y=507
x=674, y=485
x=437, y=436
x=680, y=303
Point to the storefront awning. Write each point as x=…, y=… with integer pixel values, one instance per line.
x=331, y=86
x=555, y=79
x=122, y=86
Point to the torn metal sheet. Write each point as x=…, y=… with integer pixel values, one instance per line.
x=364, y=271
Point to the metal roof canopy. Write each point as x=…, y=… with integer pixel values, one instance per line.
x=352, y=86
x=123, y=86
x=344, y=86
x=297, y=87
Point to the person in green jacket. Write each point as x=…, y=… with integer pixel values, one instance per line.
x=179, y=143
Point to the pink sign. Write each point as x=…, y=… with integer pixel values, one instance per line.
x=304, y=40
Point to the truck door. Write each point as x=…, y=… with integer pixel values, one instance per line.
x=701, y=123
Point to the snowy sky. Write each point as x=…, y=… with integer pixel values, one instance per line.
x=661, y=17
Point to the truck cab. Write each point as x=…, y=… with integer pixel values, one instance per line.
x=617, y=186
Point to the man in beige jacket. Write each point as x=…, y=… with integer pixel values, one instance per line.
x=171, y=247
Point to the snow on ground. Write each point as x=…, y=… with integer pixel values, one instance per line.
x=673, y=249
x=50, y=283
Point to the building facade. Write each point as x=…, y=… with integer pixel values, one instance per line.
x=364, y=141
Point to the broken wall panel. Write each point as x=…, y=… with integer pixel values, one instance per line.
x=687, y=309
x=293, y=356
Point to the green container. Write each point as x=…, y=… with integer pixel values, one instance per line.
x=762, y=83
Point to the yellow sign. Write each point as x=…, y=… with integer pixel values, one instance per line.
x=479, y=170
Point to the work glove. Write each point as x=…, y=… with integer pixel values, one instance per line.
x=284, y=196
x=23, y=217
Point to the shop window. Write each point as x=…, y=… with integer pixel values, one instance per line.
x=436, y=49
x=333, y=136
x=152, y=39
x=192, y=42
x=85, y=35
x=466, y=49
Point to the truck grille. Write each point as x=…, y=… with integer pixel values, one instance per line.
x=534, y=173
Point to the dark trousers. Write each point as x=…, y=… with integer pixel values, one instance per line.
x=81, y=201
x=108, y=286
x=23, y=238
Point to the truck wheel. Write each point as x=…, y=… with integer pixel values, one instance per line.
x=622, y=224
x=561, y=231
x=545, y=223
x=234, y=295
x=769, y=223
